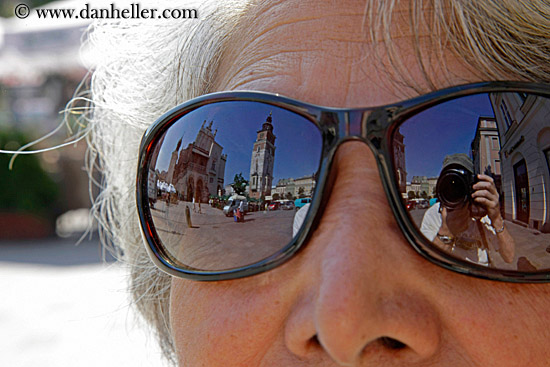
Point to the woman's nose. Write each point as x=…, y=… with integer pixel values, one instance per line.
x=368, y=299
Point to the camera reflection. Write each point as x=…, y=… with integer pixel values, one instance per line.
x=467, y=221
x=488, y=203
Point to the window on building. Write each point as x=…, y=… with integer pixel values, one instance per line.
x=496, y=168
x=399, y=176
x=547, y=155
x=214, y=164
x=494, y=143
x=211, y=180
x=506, y=114
x=521, y=181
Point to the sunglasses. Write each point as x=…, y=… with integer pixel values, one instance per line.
x=233, y=184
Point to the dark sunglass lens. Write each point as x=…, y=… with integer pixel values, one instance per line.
x=500, y=219
x=230, y=182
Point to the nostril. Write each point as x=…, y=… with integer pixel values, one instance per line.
x=391, y=343
x=314, y=340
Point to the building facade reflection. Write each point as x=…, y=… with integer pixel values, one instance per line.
x=197, y=171
x=523, y=123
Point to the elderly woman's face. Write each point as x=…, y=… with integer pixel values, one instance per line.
x=358, y=294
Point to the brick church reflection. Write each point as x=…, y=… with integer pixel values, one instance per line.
x=197, y=171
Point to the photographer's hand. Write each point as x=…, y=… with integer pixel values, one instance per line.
x=485, y=194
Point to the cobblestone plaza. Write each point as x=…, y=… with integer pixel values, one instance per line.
x=214, y=241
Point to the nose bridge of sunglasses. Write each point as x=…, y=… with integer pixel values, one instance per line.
x=374, y=124
x=345, y=123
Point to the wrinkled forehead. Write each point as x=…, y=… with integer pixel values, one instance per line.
x=321, y=46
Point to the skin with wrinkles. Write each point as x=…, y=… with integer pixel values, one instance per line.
x=357, y=282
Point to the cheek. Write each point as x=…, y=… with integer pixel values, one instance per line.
x=214, y=324
x=500, y=324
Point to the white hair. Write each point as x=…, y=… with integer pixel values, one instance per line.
x=147, y=67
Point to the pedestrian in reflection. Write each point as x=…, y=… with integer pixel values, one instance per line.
x=240, y=214
x=466, y=220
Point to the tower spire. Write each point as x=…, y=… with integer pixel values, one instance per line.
x=267, y=125
x=262, y=160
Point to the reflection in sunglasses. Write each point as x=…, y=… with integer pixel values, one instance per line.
x=506, y=138
x=195, y=213
x=472, y=171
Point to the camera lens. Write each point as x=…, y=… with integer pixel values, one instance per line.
x=453, y=189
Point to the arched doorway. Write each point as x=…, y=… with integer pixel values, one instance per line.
x=190, y=189
x=199, y=191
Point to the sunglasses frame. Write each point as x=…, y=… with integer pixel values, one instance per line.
x=375, y=127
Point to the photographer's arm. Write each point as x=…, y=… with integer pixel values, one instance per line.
x=434, y=227
x=485, y=193
x=505, y=240
x=444, y=238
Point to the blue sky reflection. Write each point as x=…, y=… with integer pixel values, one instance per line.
x=445, y=129
x=298, y=142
